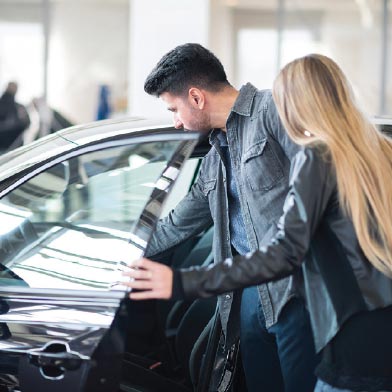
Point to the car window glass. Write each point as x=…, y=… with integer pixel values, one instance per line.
x=69, y=226
x=182, y=185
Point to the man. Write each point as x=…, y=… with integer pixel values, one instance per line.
x=14, y=118
x=241, y=189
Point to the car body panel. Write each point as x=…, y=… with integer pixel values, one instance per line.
x=53, y=333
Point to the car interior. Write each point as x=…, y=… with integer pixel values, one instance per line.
x=166, y=344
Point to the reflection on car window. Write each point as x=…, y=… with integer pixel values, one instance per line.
x=69, y=226
x=182, y=185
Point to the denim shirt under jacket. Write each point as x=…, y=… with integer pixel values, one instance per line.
x=260, y=157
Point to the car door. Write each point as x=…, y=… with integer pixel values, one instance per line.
x=68, y=227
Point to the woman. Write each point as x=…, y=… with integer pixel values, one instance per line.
x=336, y=224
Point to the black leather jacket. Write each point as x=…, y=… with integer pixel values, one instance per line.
x=313, y=233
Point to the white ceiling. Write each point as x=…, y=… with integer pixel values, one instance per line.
x=246, y=4
x=21, y=2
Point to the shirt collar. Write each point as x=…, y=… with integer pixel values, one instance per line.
x=215, y=137
x=242, y=106
x=244, y=101
x=222, y=139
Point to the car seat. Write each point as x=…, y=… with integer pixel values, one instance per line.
x=182, y=323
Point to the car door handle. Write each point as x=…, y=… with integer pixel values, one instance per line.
x=54, y=358
x=66, y=361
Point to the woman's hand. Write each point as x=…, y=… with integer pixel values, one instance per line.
x=155, y=280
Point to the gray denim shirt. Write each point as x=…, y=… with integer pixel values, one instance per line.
x=261, y=152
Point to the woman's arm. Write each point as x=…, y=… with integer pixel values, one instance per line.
x=311, y=186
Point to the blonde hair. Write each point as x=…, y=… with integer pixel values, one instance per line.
x=316, y=105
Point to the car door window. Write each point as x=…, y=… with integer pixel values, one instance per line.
x=182, y=186
x=69, y=226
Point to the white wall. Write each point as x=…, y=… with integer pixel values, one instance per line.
x=221, y=38
x=357, y=49
x=115, y=41
x=156, y=27
x=21, y=48
x=16, y=11
x=88, y=47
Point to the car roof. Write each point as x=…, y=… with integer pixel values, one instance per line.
x=382, y=120
x=71, y=138
x=98, y=130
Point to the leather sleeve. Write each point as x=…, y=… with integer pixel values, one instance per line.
x=312, y=182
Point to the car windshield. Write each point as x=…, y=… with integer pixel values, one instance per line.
x=70, y=226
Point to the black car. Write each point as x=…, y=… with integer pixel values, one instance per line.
x=75, y=208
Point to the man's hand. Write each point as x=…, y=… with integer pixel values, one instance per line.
x=155, y=280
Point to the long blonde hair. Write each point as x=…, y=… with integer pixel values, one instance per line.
x=316, y=105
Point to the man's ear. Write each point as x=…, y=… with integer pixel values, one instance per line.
x=196, y=98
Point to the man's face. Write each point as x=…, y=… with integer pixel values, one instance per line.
x=186, y=114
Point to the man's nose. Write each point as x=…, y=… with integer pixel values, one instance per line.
x=178, y=124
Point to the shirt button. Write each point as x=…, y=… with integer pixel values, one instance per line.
x=224, y=179
x=228, y=296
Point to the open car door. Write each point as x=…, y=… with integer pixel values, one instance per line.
x=68, y=227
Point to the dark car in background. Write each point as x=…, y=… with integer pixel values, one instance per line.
x=384, y=124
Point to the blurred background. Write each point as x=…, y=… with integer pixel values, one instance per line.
x=75, y=61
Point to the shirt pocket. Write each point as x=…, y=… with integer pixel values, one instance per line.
x=261, y=166
x=208, y=186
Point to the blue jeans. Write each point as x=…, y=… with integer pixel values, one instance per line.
x=282, y=357
x=322, y=386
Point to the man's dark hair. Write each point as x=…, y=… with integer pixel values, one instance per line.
x=185, y=66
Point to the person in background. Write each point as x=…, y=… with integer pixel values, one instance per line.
x=104, y=109
x=14, y=118
x=241, y=189
x=336, y=225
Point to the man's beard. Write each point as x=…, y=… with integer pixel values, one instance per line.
x=201, y=122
